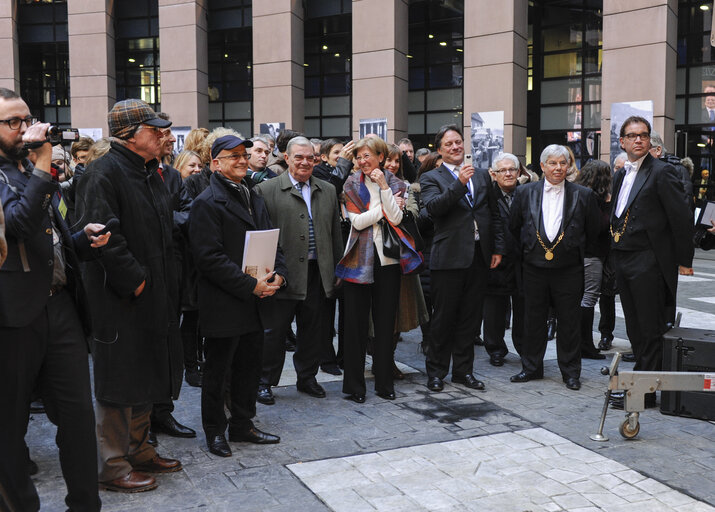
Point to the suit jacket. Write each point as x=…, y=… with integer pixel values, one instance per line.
x=289, y=213
x=503, y=279
x=217, y=231
x=446, y=201
x=3, y=242
x=580, y=223
x=658, y=217
x=26, y=275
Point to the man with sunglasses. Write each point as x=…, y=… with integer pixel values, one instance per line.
x=42, y=320
x=651, y=234
x=133, y=289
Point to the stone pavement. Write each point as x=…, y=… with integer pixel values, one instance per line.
x=521, y=447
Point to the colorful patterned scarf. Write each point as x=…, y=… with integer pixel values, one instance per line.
x=357, y=264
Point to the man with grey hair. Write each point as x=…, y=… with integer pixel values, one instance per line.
x=502, y=283
x=421, y=154
x=553, y=221
x=619, y=161
x=305, y=209
x=658, y=150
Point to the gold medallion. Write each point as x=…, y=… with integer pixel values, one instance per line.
x=549, y=255
x=616, y=237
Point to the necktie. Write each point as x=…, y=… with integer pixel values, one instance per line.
x=712, y=115
x=470, y=198
x=161, y=173
x=312, y=252
x=630, y=166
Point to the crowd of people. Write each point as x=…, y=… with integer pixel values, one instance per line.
x=124, y=251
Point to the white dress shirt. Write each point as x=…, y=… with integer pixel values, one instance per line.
x=631, y=169
x=552, y=208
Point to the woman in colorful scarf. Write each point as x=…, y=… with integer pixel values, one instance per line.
x=372, y=279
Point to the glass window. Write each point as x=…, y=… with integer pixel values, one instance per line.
x=436, y=68
x=230, y=51
x=44, y=66
x=328, y=68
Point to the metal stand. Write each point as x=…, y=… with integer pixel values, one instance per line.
x=636, y=384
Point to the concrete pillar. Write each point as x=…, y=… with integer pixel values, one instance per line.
x=9, y=62
x=495, y=66
x=639, y=61
x=184, y=73
x=380, y=70
x=278, y=85
x=90, y=27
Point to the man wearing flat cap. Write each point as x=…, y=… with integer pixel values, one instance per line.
x=231, y=302
x=133, y=289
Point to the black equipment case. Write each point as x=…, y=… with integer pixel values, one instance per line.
x=689, y=350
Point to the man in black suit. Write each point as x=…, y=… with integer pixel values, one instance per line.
x=652, y=233
x=42, y=320
x=504, y=281
x=553, y=221
x=230, y=301
x=468, y=241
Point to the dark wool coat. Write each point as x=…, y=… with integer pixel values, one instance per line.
x=137, y=345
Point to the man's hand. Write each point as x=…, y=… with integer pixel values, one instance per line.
x=496, y=260
x=465, y=174
x=140, y=289
x=264, y=288
x=96, y=240
x=347, y=151
x=712, y=229
x=685, y=271
x=38, y=133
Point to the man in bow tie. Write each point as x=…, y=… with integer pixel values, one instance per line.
x=554, y=222
x=651, y=234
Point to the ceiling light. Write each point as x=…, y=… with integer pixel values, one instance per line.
x=337, y=55
x=131, y=60
x=325, y=47
x=460, y=50
x=225, y=55
x=704, y=7
x=442, y=43
x=408, y=56
x=431, y=36
x=305, y=65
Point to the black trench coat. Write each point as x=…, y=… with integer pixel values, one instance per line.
x=137, y=345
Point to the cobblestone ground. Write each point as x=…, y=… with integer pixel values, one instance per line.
x=521, y=447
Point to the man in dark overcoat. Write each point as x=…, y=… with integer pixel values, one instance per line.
x=133, y=289
x=305, y=209
x=230, y=300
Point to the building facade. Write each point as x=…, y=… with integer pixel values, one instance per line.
x=553, y=67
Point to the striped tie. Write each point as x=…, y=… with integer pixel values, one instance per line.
x=312, y=252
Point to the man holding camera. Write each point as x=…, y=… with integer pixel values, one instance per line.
x=41, y=317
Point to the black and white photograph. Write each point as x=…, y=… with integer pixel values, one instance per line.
x=272, y=129
x=622, y=111
x=487, y=137
x=377, y=125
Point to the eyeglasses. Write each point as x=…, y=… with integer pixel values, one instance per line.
x=14, y=122
x=634, y=136
x=235, y=156
x=509, y=170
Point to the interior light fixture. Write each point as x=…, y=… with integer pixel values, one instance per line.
x=325, y=47
x=408, y=56
x=305, y=65
x=337, y=55
x=131, y=60
x=443, y=43
x=431, y=36
x=704, y=7
x=225, y=55
x=702, y=145
x=460, y=50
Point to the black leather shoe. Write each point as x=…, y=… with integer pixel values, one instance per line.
x=255, y=436
x=592, y=355
x=218, y=446
x=523, y=376
x=152, y=439
x=605, y=343
x=386, y=396
x=496, y=360
x=170, y=426
x=358, y=399
x=311, y=388
x=435, y=384
x=470, y=381
x=573, y=383
x=628, y=358
x=332, y=369
x=265, y=396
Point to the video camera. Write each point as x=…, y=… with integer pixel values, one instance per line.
x=56, y=135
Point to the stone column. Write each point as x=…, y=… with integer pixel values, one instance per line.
x=183, y=47
x=495, y=66
x=639, y=62
x=90, y=28
x=278, y=85
x=9, y=63
x=380, y=70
